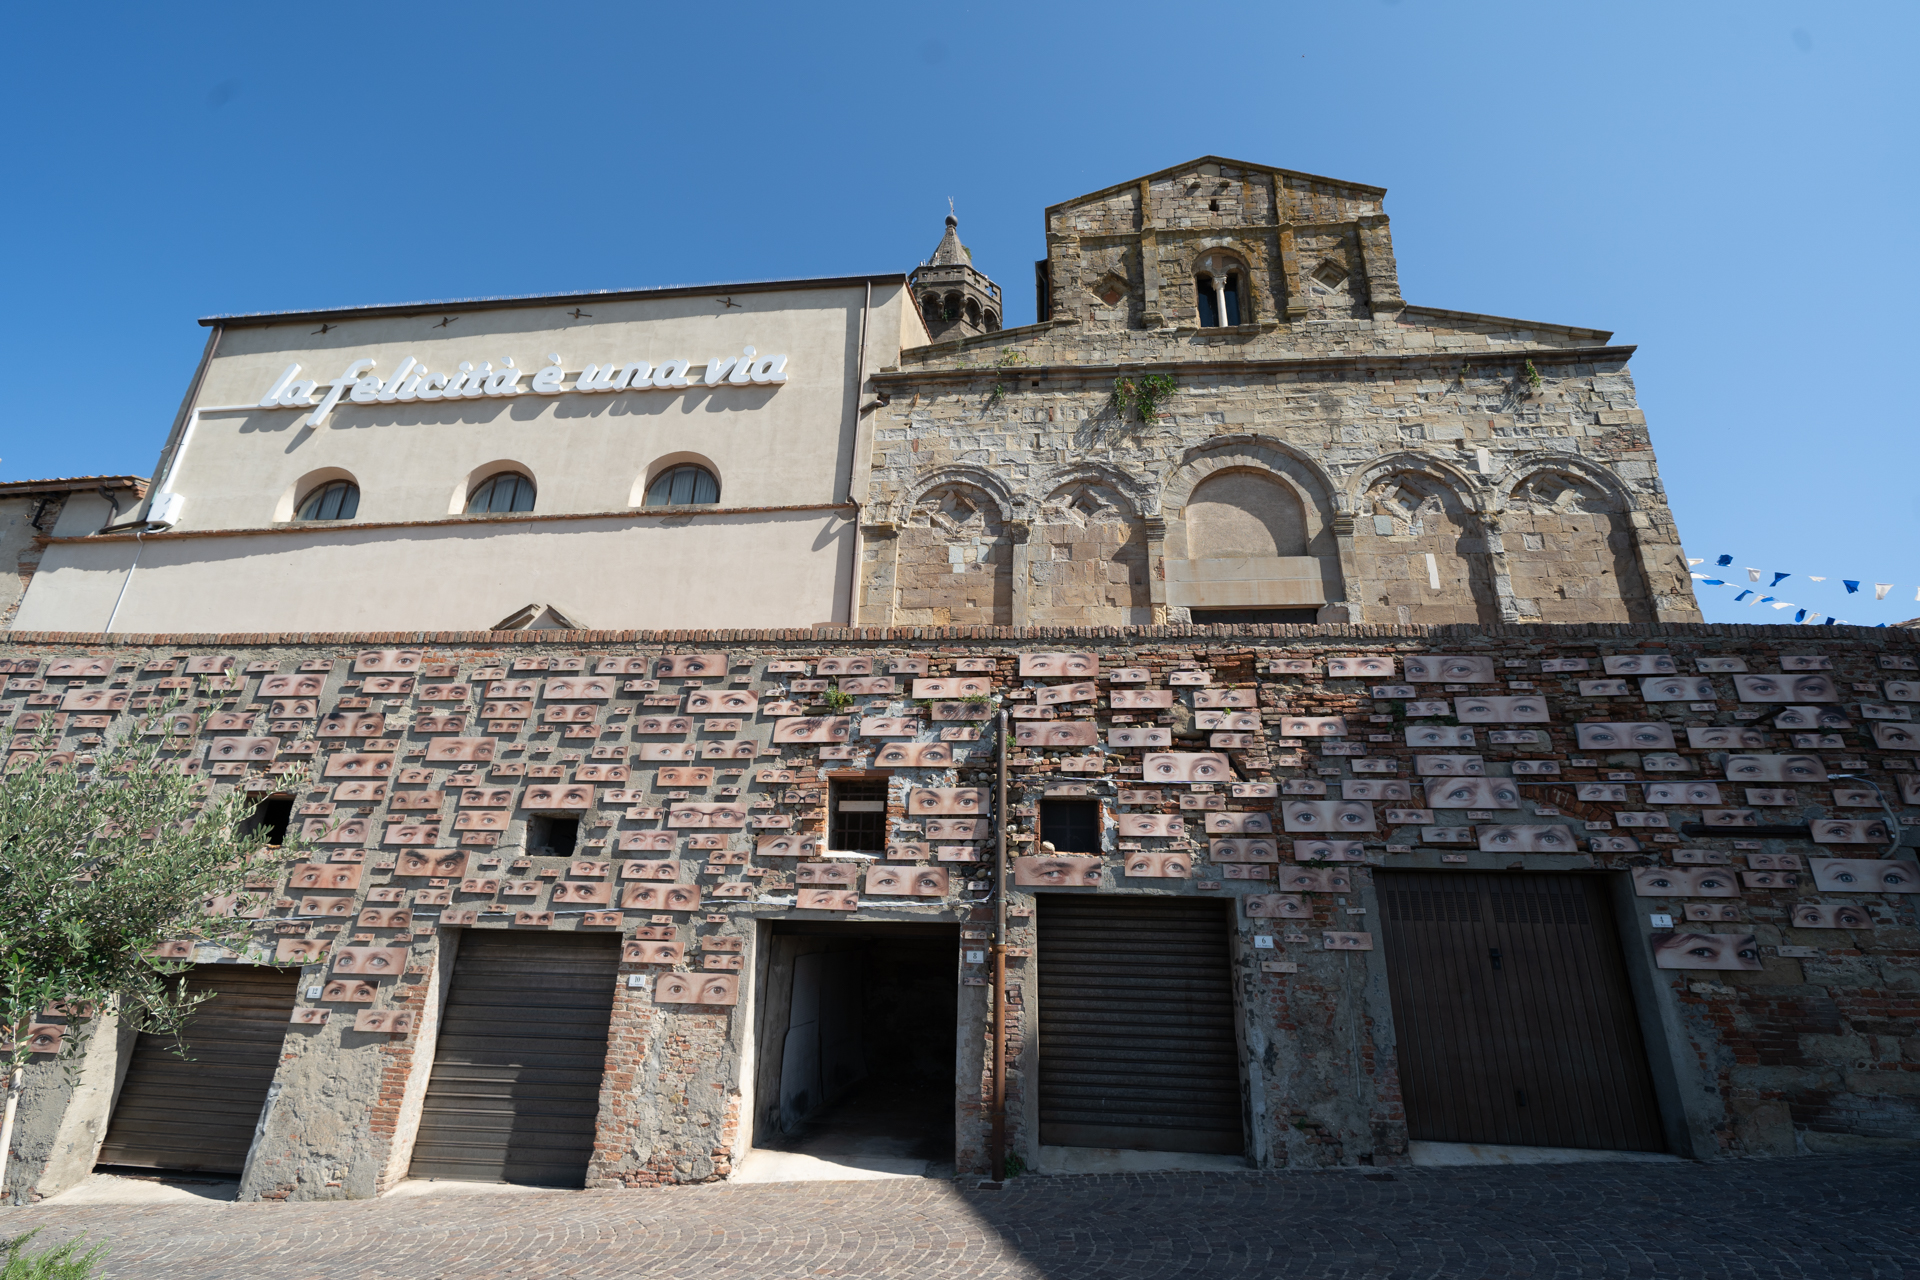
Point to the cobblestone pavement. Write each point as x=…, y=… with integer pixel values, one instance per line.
x=1818, y=1217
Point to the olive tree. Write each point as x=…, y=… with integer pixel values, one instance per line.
x=103, y=859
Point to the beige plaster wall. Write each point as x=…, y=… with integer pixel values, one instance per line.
x=769, y=569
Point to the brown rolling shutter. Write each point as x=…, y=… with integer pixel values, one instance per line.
x=199, y=1113
x=1512, y=1011
x=515, y=1089
x=1137, y=1045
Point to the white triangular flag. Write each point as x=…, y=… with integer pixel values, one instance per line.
x=1784, y=604
x=1694, y=560
x=1880, y=590
x=1753, y=575
x=1811, y=578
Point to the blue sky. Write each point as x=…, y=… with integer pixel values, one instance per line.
x=1730, y=186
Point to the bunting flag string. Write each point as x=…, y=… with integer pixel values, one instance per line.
x=1753, y=598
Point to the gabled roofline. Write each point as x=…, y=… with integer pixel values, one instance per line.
x=71, y=484
x=1243, y=164
x=548, y=299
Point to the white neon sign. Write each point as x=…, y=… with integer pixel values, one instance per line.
x=413, y=381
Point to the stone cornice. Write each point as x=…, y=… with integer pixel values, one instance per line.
x=1277, y=365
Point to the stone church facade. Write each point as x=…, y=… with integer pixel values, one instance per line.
x=1325, y=450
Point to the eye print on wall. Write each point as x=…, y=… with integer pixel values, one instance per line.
x=1864, y=875
x=837, y=875
x=1706, y=665
x=1437, y=668
x=788, y=844
x=1275, y=906
x=1732, y=818
x=246, y=749
x=475, y=749
x=1711, y=912
x=370, y=962
x=335, y=830
x=578, y=689
x=1203, y=698
x=1535, y=768
x=385, y=918
x=1185, y=766
x=844, y=667
x=1805, y=662
x=907, y=666
x=1372, y=789
x=581, y=893
x=1526, y=838
x=1851, y=831
x=723, y=702
x=1133, y=825
x=512, y=688
x=1685, y=882
x=1472, y=793
x=309, y=1017
x=961, y=801
x=1333, y=940
x=294, y=686
x=403, y=661
x=956, y=828
x=1158, y=865
x=1313, y=726
x=1139, y=737
x=1056, y=733
x=629, y=666
x=1776, y=769
x=353, y=724
x=710, y=666
x=660, y=897
x=1683, y=792
x=1804, y=718
x=1829, y=915
x=907, y=851
x=653, y=751
x=1241, y=850
x=915, y=882
x=1139, y=699
x=1639, y=664
x=1729, y=951
x=1438, y=735
x=813, y=729
x=1129, y=675
x=1079, y=666
x=84, y=668
x=391, y=1021
x=1725, y=738
x=650, y=951
x=326, y=908
x=1613, y=844
x=913, y=755
x=1614, y=792
x=304, y=876
x=348, y=991
x=1327, y=815
x=957, y=687
x=961, y=711
x=1253, y=824
x=1231, y=721
x=1445, y=766
x=1301, y=879
x=684, y=815
x=1604, y=688
x=1380, y=668
x=666, y=869
x=1329, y=851
x=1516, y=710
x=1895, y=737
x=1632, y=736
x=697, y=988
x=827, y=899
x=440, y=863
x=889, y=726
x=1057, y=871
x=387, y=684
x=1060, y=694
x=1784, y=688
x=1677, y=689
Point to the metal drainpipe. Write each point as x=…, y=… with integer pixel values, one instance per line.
x=139, y=545
x=853, y=462
x=997, y=1170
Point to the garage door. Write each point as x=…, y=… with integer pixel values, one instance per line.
x=515, y=1088
x=1511, y=1007
x=200, y=1112
x=1137, y=1046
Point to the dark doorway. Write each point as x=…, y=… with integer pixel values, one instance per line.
x=858, y=1035
x=1215, y=617
x=1515, y=1022
x=1137, y=1043
x=515, y=1091
x=199, y=1112
x=1071, y=826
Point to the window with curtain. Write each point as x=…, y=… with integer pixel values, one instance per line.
x=678, y=486
x=335, y=500
x=500, y=494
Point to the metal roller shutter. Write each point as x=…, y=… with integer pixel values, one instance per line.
x=1512, y=1011
x=515, y=1089
x=199, y=1113
x=1137, y=1045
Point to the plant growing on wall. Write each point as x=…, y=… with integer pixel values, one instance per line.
x=1532, y=375
x=1007, y=359
x=1145, y=396
x=838, y=699
x=100, y=863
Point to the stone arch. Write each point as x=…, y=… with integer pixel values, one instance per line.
x=955, y=555
x=1005, y=501
x=1310, y=484
x=1416, y=525
x=1138, y=496
x=1086, y=554
x=1568, y=537
x=1228, y=547
x=1230, y=275
x=1244, y=512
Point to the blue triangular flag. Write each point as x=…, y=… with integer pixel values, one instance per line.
x=1800, y=616
x=1828, y=622
x=1850, y=585
x=1724, y=560
x=1777, y=577
x=1742, y=596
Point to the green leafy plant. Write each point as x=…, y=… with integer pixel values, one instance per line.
x=1145, y=396
x=1532, y=376
x=977, y=699
x=103, y=857
x=1007, y=359
x=61, y=1262
x=838, y=699
x=1012, y=1166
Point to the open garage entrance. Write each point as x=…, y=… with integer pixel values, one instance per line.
x=857, y=1045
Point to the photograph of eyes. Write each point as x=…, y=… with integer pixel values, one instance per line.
x=309, y=1017
x=1083, y=666
x=477, y=749
x=261, y=749
x=902, y=666
x=1185, y=766
x=1677, y=689
x=1829, y=915
x=1711, y=912
x=844, y=667
x=1139, y=699
x=1438, y=735
x=642, y=951
x=1313, y=726
x=1440, y=668
x=1601, y=791
x=1653, y=820
x=1301, y=879
x=1725, y=738
x=961, y=711
x=827, y=899
x=1059, y=694
x=440, y=863
x=813, y=729
x=951, y=687
x=1635, y=736
x=1776, y=769
x=1895, y=737
x=1528, y=838
x=697, y=988
x=1292, y=667
x=1327, y=815
x=1729, y=818
x=667, y=870
x=1358, y=668
x=961, y=801
x=660, y=897
x=1613, y=844
x=326, y=908
x=689, y=814
x=956, y=829
x=334, y=830
x=1682, y=792
x=322, y=875
x=1129, y=675
x=387, y=660
x=297, y=686
x=1243, y=850
x=1138, y=737
x=1449, y=766
x=1864, y=875
x=709, y=665
x=370, y=962
x=1731, y=951
x=654, y=751
x=1603, y=688
x=1802, y=689
x=1369, y=789
x=911, y=882
x=839, y=875
x=1275, y=906
x=1252, y=824
x=1851, y=831
x=1057, y=733
x=1158, y=865
x=1515, y=710
x=1638, y=664
x=1056, y=871
x=1402, y=817
x=1329, y=851
x=1341, y=941
x=1685, y=882
x=907, y=851
x=1531, y=768
x=385, y=918
x=1131, y=825
x=725, y=702
x=1225, y=698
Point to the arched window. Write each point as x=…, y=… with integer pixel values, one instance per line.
x=993, y=322
x=952, y=311
x=930, y=307
x=334, y=500
x=678, y=486
x=973, y=313
x=500, y=493
x=1219, y=283
x=1241, y=513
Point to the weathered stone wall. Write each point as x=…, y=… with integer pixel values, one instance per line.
x=1811, y=1048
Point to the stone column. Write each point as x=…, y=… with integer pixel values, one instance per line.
x=1150, y=315
x=1021, y=586
x=1492, y=536
x=1355, y=594
x=1383, y=280
x=1156, y=528
x=877, y=583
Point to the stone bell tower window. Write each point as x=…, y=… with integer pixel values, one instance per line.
x=1219, y=283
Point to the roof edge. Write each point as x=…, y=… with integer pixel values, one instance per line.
x=1245, y=164
x=13, y=488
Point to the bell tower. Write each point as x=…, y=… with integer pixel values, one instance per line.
x=955, y=299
